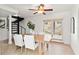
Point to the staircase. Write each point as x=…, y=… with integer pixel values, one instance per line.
x=16, y=28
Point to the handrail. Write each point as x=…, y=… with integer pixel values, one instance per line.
x=1, y=26
x=22, y=29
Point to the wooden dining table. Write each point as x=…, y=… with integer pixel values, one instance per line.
x=38, y=37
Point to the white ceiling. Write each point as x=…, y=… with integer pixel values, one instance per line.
x=5, y=13
x=23, y=8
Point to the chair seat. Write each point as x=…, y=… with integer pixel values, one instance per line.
x=30, y=42
x=47, y=37
x=18, y=40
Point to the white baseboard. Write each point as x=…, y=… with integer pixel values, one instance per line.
x=57, y=40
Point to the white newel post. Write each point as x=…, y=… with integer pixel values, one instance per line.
x=10, y=32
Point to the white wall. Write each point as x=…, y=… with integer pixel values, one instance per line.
x=38, y=21
x=75, y=37
x=3, y=34
x=3, y=31
x=67, y=28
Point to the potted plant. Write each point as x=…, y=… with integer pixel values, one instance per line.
x=31, y=26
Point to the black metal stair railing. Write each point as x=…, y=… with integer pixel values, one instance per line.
x=2, y=26
x=22, y=30
x=18, y=30
x=15, y=24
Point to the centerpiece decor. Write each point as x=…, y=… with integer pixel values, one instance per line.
x=31, y=26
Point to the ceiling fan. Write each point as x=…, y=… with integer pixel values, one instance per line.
x=41, y=9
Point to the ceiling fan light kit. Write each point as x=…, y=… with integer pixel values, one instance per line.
x=41, y=9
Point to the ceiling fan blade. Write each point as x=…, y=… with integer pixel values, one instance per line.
x=32, y=9
x=48, y=9
x=35, y=12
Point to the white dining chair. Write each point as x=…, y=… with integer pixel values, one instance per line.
x=18, y=40
x=47, y=39
x=30, y=42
